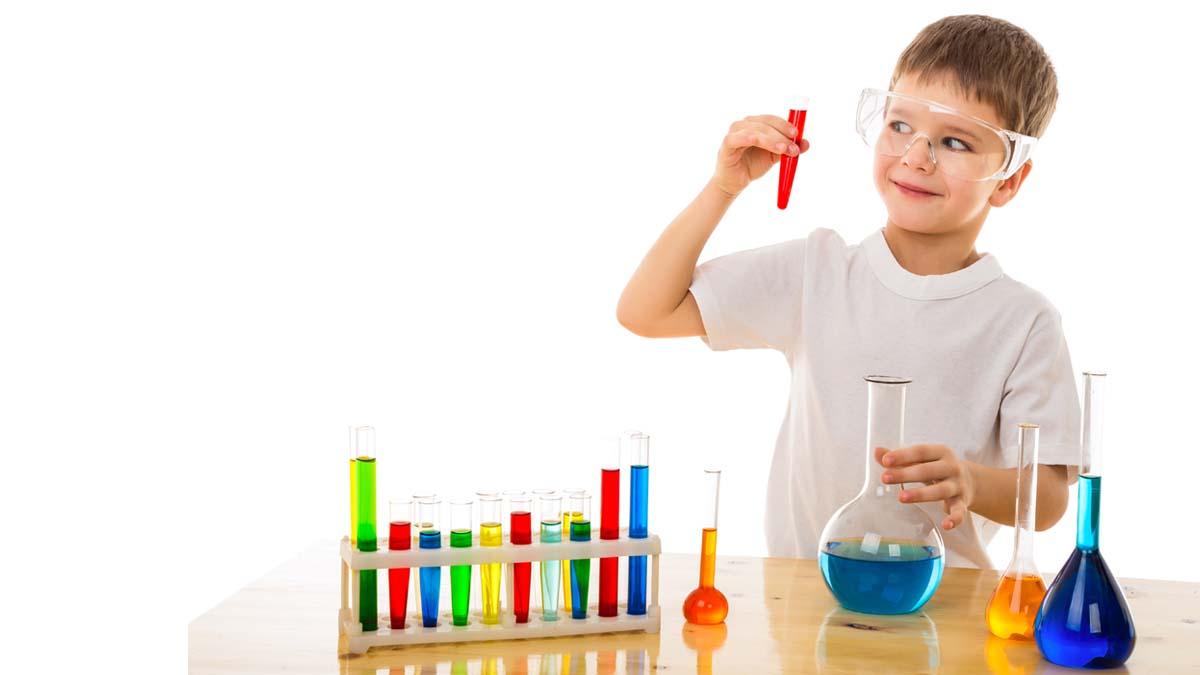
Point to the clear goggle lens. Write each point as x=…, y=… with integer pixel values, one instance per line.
x=961, y=146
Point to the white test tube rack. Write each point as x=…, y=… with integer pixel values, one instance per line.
x=359, y=641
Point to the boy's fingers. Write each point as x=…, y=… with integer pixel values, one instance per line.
x=778, y=123
x=913, y=454
x=956, y=512
x=762, y=135
x=924, y=472
x=930, y=493
x=879, y=453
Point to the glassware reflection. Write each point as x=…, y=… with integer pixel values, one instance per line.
x=850, y=642
x=704, y=640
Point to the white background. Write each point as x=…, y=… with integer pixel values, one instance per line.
x=232, y=228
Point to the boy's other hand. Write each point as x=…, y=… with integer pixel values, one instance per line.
x=947, y=478
x=751, y=147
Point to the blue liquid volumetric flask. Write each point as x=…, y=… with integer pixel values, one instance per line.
x=1083, y=621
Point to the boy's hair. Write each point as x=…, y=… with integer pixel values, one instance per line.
x=991, y=59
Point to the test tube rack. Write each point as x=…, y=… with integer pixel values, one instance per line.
x=359, y=641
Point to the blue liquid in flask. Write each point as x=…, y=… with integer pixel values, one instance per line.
x=1084, y=621
x=888, y=577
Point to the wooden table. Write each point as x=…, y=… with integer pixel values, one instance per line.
x=782, y=619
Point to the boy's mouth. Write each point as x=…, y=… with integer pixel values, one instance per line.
x=913, y=191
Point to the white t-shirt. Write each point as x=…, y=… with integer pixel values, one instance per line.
x=984, y=352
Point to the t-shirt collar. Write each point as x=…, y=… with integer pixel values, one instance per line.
x=931, y=287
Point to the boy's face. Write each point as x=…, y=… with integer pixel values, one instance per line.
x=954, y=204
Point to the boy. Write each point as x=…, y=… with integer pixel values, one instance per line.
x=951, y=138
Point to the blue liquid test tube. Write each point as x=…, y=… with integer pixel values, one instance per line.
x=429, y=525
x=639, y=498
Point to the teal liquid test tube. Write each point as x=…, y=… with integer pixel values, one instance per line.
x=461, y=535
x=429, y=511
x=550, y=518
x=367, y=535
x=580, y=507
x=639, y=512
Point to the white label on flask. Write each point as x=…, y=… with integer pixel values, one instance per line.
x=894, y=550
x=870, y=543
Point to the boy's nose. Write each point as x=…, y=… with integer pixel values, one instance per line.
x=919, y=154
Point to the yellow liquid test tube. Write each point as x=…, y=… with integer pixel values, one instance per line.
x=491, y=534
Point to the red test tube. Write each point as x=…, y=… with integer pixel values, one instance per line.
x=610, y=525
x=399, y=539
x=787, y=163
x=520, y=534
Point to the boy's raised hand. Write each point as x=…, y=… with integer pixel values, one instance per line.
x=750, y=148
x=947, y=478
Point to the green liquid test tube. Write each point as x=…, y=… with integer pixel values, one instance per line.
x=580, y=506
x=460, y=575
x=366, y=535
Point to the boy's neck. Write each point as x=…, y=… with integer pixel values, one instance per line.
x=928, y=254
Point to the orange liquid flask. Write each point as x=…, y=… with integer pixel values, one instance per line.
x=706, y=605
x=1014, y=605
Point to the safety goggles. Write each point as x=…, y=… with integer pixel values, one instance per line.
x=962, y=146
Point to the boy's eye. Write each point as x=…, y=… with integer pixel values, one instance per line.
x=899, y=127
x=956, y=145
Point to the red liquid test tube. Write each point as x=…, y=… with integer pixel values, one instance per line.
x=610, y=528
x=399, y=539
x=519, y=529
x=787, y=163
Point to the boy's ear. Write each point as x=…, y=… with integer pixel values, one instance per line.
x=1007, y=189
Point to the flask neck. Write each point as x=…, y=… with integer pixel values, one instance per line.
x=1087, y=525
x=885, y=429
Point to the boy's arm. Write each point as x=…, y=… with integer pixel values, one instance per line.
x=965, y=485
x=656, y=301
x=995, y=493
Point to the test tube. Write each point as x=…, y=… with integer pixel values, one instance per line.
x=367, y=540
x=520, y=534
x=400, y=515
x=429, y=512
x=550, y=517
x=581, y=568
x=566, y=532
x=491, y=534
x=417, y=499
x=787, y=162
x=639, y=499
x=460, y=575
x=353, y=486
x=610, y=523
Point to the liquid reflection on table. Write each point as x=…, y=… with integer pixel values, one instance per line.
x=782, y=619
x=632, y=662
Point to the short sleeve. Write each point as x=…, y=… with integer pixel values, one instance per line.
x=752, y=299
x=1041, y=390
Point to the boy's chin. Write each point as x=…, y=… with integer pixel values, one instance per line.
x=917, y=225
